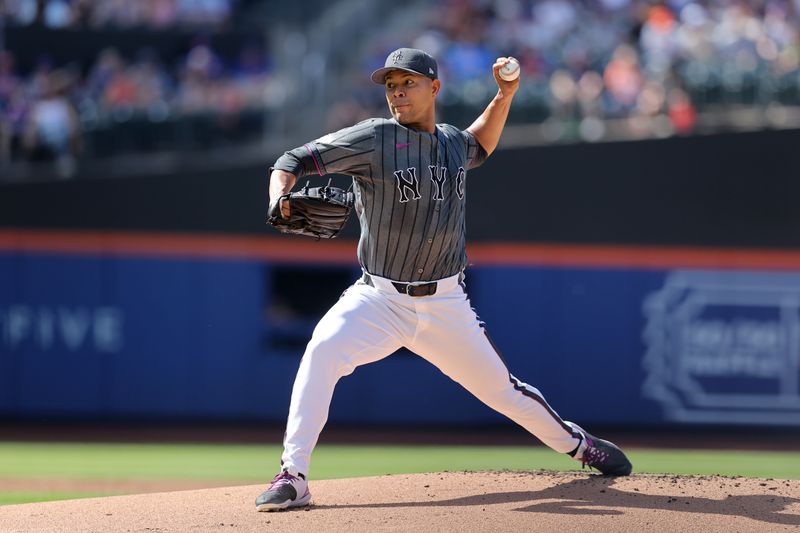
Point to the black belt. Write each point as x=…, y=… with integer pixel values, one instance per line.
x=412, y=289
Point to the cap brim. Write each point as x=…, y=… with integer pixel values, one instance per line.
x=379, y=76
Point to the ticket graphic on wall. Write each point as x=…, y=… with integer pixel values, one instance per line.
x=724, y=347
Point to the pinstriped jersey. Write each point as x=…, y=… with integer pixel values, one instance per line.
x=410, y=190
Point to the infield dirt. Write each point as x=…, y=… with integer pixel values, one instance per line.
x=462, y=501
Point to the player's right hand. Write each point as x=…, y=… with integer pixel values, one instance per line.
x=508, y=88
x=286, y=211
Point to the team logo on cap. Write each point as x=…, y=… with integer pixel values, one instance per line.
x=397, y=56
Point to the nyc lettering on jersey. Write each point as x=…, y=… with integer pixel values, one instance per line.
x=438, y=176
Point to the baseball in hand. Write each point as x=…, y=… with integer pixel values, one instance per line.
x=510, y=71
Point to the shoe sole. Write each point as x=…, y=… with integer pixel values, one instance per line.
x=626, y=471
x=267, y=507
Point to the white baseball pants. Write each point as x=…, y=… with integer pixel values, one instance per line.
x=369, y=323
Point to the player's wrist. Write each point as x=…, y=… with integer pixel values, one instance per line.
x=505, y=95
x=273, y=209
x=278, y=208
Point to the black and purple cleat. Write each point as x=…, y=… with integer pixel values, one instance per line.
x=603, y=455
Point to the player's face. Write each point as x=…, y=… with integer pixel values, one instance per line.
x=411, y=98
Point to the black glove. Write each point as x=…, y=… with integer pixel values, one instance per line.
x=319, y=212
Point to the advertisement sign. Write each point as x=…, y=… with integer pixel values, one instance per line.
x=724, y=347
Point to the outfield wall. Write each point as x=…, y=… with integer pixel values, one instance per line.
x=114, y=333
x=692, y=315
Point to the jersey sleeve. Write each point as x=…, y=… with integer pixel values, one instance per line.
x=347, y=151
x=476, y=155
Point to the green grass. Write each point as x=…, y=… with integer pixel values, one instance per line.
x=256, y=464
x=10, y=498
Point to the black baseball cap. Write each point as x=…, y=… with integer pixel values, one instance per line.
x=408, y=59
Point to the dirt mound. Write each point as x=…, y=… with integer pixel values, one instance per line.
x=463, y=501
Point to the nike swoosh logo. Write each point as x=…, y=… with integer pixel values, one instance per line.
x=400, y=146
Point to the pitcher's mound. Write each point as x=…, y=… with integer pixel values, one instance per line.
x=464, y=501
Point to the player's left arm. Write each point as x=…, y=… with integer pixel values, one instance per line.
x=489, y=125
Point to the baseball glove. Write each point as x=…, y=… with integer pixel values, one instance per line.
x=319, y=212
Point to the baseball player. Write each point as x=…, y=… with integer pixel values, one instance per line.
x=410, y=182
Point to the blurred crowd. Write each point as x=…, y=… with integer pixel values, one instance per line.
x=654, y=66
x=45, y=114
x=55, y=110
x=153, y=14
x=653, y=63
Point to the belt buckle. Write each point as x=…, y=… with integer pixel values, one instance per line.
x=414, y=286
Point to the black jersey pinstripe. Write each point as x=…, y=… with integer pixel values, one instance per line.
x=410, y=193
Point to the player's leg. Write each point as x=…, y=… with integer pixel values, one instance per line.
x=358, y=329
x=454, y=340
